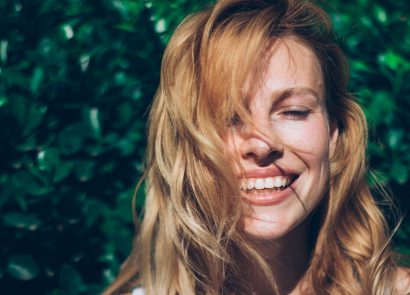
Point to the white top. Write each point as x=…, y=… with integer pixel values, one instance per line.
x=138, y=291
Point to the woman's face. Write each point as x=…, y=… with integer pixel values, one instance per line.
x=283, y=166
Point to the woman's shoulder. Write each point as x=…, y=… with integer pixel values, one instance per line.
x=402, y=281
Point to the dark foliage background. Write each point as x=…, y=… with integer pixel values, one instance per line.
x=76, y=78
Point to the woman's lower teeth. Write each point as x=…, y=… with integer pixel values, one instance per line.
x=267, y=190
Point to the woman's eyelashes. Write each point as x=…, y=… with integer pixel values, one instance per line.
x=295, y=114
x=287, y=114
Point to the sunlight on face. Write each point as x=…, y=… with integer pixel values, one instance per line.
x=284, y=160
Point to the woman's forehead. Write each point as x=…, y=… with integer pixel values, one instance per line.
x=289, y=65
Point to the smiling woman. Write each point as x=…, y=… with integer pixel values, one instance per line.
x=256, y=164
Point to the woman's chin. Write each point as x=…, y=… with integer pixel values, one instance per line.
x=261, y=229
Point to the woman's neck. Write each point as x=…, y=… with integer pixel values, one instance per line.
x=288, y=259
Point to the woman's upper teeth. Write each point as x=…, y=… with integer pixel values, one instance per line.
x=262, y=183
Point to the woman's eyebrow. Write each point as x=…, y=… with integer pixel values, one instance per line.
x=280, y=95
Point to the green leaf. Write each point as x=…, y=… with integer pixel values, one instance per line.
x=360, y=66
x=92, y=119
x=67, y=30
x=17, y=220
x=71, y=282
x=29, y=144
x=70, y=139
x=392, y=60
x=380, y=14
x=84, y=61
x=3, y=51
x=28, y=115
x=161, y=26
x=399, y=173
x=93, y=209
x=126, y=147
x=3, y=100
x=36, y=80
x=17, y=107
x=35, y=116
x=22, y=267
x=128, y=27
x=63, y=170
x=380, y=108
x=84, y=170
x=48, y=159
x=17, y=79
x=125, y=113
x=30, y=183
x=395, y=137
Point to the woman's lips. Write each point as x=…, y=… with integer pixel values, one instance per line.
x=269, y=196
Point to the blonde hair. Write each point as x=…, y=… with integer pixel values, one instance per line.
x=187, y=241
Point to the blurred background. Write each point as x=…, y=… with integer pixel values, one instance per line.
x=76, y=79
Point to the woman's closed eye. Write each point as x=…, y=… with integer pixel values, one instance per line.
x=235, y=120
x=295, y=114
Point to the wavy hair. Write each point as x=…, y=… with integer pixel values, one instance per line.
x=189, y=235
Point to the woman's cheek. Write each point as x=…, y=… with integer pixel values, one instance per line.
x=310, y=137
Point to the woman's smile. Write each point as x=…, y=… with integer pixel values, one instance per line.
x=266, y=187
x=267, y=196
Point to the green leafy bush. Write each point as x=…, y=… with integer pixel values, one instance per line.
x=76, y=78
x=376, y=36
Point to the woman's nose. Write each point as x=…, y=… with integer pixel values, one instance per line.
x=260, y=146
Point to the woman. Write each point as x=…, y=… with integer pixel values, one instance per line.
x=256, y=164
